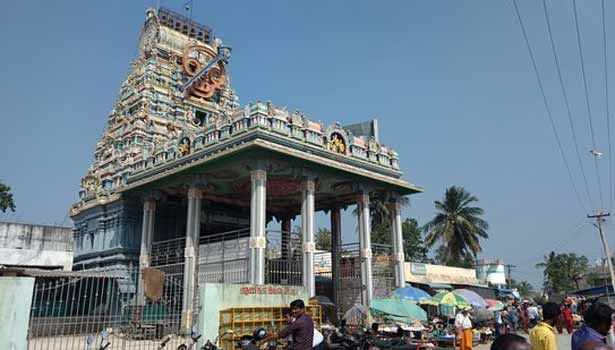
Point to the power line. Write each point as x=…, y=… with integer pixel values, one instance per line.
x=608, y=115
x=548, y=110
x=566, y=101
x=587, y=104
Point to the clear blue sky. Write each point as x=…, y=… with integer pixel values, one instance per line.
x=450, y=82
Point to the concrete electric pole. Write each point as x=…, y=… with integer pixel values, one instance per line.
x=509, y=269
x=607, y=252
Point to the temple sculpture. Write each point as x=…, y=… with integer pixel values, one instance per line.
x=187, y=180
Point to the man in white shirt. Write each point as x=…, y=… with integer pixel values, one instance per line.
x=532, y=313
x=463, y=325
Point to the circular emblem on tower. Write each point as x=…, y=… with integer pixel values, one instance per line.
x=197, y=62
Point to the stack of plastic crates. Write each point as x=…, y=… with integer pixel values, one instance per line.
x=245, y=320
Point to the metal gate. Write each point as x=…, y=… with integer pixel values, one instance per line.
x=84, y=310
x=351, y=287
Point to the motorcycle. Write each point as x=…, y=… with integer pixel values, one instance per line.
x=194, y=338
x=251, y=342
x=215, y=345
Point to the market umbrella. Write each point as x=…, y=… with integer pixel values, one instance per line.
x=447, y=298
x=472, y=297
x=483, y=315
x=356, y=314
x=398, y=310
x=494, y=305
x=410, y=293
x=322, y=300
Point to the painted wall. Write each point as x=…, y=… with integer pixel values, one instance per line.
x=36, y=245
x=15, y=302
x=218, y=296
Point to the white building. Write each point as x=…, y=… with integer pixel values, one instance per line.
x=40, y=246
x=492, y=272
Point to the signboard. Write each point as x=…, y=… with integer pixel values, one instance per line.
x=221, y=296
x=418, y=269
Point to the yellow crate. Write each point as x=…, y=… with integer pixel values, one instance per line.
x=245, y=320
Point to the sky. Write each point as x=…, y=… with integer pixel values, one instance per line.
x=450, y=82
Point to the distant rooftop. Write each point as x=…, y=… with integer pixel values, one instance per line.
x=185, y=25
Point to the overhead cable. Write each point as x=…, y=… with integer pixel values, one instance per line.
x=547, y=108
x=566, y=101
x=587, y=103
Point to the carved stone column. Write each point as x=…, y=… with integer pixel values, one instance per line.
x=365, y=231
x=307, y=230
x=258, y=225
x=398, y=243
x=147, y=234
x=193, y=229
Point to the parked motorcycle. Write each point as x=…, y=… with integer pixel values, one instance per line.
x=215, y=345
x=194, y=338
x=251, y=342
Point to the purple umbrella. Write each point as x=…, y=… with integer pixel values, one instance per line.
x=472, y=298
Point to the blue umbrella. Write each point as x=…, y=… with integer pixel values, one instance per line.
x=410, y=293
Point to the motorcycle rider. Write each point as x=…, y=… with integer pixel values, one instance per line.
x=301, y=329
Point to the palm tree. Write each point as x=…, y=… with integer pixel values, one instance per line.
x=457, y=226
x=379, y=210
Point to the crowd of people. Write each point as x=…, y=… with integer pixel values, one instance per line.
x=541, y=323
x=544, y=323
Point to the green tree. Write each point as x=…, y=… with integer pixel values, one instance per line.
x=562, y=272
x=458, y=227
x=323, y=239
x=379, y=210
x=414, y=247
x=466, y=261
x=6, y=198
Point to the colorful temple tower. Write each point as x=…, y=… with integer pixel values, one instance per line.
x=186, y=180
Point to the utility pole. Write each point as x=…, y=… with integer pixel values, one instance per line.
x=509, y=267
x=607, y=252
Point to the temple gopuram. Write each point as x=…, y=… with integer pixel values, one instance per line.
x=187, y=181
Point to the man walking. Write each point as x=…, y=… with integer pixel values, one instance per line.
x=301, y=329
x=463, y=325
x=596, y=328
x=542, y=336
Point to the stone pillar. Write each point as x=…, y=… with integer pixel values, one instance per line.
x=147, y=234
x=365, y=233
x=307, y=234
x=193, y=230
x=258, y=225
x=336, y=243
x=398, y=243
x=286, y=237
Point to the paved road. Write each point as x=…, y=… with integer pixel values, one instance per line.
x=563, y=342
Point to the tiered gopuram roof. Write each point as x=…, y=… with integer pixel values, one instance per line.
x=156, y=121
